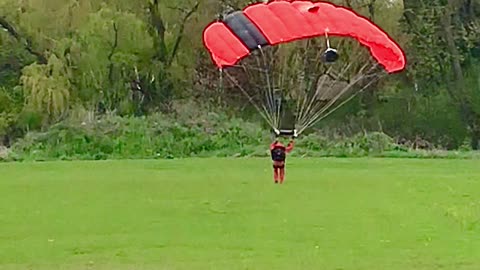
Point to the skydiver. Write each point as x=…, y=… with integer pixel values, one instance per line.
x=279, y=153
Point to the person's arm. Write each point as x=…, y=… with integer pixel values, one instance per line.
x=290, y=146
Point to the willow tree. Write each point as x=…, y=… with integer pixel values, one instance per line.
x=47, y=88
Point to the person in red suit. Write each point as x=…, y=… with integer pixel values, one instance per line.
x=279, y=153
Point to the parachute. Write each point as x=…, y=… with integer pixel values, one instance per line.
x=279, y=55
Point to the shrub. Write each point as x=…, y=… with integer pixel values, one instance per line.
x=202, y=135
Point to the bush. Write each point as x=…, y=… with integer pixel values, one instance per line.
x=364, y=144
x=155, y=136
x=193, y=135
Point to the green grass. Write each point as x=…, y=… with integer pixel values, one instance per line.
x=385, y=214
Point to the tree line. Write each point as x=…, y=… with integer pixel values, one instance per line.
x=138, y=57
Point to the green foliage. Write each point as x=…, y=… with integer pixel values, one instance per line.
x=29, y=120
x=12, y=59
x=155, y=136
x=47, y=88
x=340, y=146
x=207, y=135
x=434, y=118
x=473, y=84
x=6, y=101
x=107, y=49
x=6, y=122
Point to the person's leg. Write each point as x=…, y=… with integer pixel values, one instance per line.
x=275, y=173
x=282, y=173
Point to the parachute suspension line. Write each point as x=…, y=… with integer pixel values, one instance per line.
x=265, y=91
x=320, y=115
x=327, y=39
x=250, y=74
x=320, y=94
x=305, y=79
x=277, y=100
x=264, y=112
x=377, y=78
x=221, y=86
x=302, y=102
x=257, y=74
x=312, y=118
x=287, y=81
x=269, y=89
x=306, y=109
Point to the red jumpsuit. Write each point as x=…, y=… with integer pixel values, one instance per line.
x=279, y=165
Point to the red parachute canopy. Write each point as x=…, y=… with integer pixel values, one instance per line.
x=284, y=21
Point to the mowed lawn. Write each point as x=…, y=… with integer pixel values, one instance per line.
x=385, y=214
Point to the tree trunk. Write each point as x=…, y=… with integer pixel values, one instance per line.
x=459, y=80
x=475, y=141
x=157, y=23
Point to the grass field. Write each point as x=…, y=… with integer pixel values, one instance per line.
x=385, y=214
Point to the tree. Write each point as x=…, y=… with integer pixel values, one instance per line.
x=442, y=34
x=47, y=88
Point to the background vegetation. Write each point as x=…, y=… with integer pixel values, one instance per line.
x=112, y=79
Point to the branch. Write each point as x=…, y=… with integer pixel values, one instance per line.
x=371, y=9
x=180, y=32
x=112, y=52
x=156, y=19
x=27, y=43
x=115, y=41
x=9, y=28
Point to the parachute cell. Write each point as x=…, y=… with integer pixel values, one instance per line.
x=224, y=46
